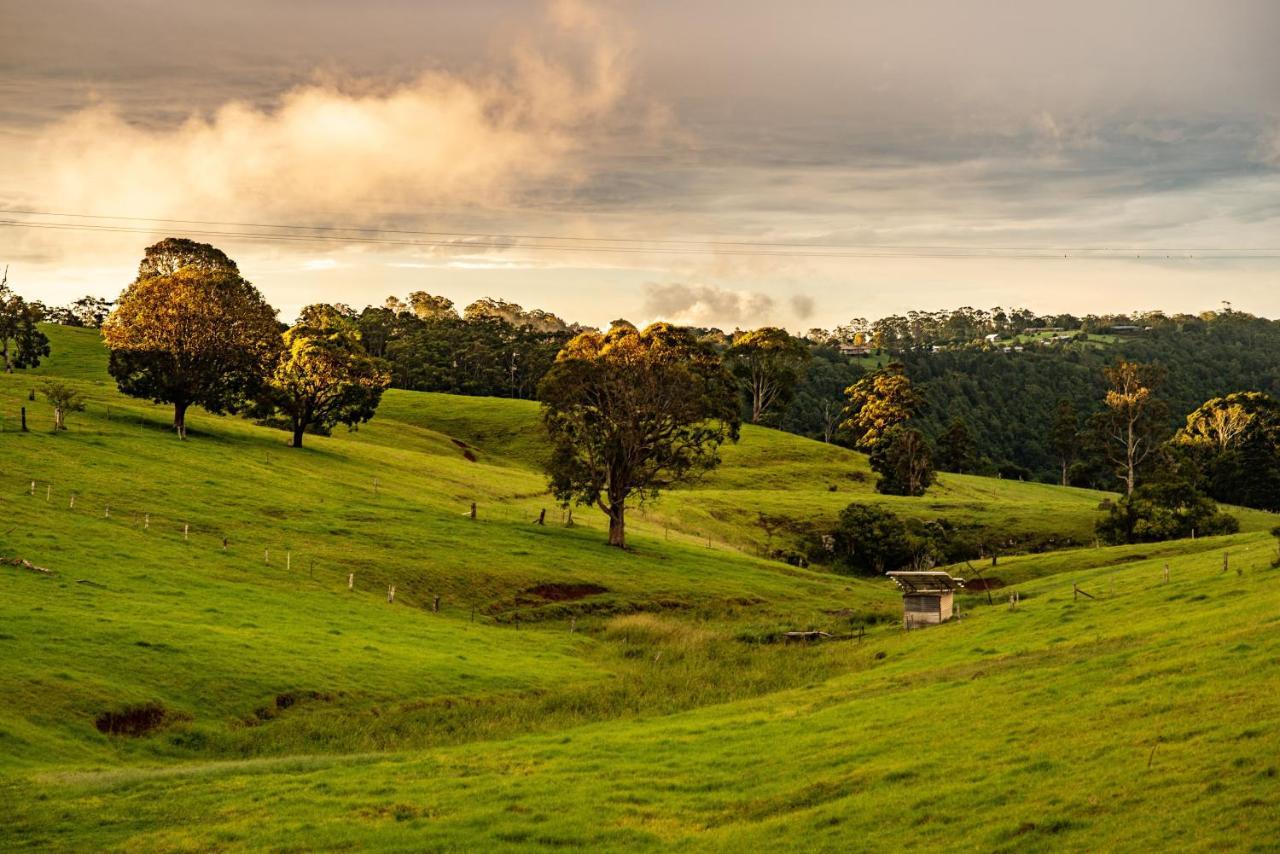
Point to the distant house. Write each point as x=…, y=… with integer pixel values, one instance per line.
x=993, y=337
x=927, y=597
x=1125, y=328
x=856, y=349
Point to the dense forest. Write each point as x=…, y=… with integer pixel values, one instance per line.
x=1008, y=397
x=1003, y=373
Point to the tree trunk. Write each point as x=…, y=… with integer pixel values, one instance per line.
x=617, y=525
x=180, y=420
x=8, y=365
x=1064, y=472
x=298, y=430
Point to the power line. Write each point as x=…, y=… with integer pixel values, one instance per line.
x=644, y=240
x=465, y=241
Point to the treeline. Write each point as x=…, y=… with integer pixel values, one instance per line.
x=1009, y=400
x=492, y=348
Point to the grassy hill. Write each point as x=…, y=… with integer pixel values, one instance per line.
x=566, y=693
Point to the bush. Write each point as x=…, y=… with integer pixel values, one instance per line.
x=1164, y=511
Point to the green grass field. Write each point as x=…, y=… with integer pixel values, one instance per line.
x=567, y=694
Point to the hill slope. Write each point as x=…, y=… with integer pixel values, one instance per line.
x=198, y=611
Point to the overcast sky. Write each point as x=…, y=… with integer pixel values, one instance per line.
x=912, y=132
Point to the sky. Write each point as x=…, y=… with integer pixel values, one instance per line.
x=721, y=162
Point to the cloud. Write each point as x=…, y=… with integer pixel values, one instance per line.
x=802, y=305
x=705, y=304
x=355, y=148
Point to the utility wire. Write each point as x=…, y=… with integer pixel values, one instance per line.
x=465, y=241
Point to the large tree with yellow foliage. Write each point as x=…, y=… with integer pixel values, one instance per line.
x=190, y=330
x=323, y=375
x=632, y=412
x=877, y=402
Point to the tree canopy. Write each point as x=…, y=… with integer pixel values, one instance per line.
x=879, y=401
x=22, y=344
x=631, y=412
x=190, y=330
x=769, y=362
x=323, y=376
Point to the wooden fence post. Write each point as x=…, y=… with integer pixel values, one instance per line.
x=72, y=505
x=106, y=511
x=1224, y=561
x=48, y=492
x=186, y=530
x=542, y=516
x=266, y=555
x=1166, y=573
x=351, y=581
x=288, y=561
x=391, y=594
x=435, y=605
x=146, y=521
x=33, y=488
x=24, y=420
x=473, y=511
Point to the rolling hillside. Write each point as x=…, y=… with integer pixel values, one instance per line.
x=193, y=672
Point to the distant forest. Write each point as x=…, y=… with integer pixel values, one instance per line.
x=1008, y=396
x=1002, y=372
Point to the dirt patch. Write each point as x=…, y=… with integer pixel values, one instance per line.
x=983, y=584
x=133, y=720
x=460, y=443
x=284, y=701
x=468, y=455
x=565, y=592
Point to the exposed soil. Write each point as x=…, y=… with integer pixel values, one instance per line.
x=565, y=592
x=132, y=720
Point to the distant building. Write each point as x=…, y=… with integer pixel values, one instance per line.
x=993, y=337
x=856, y=349
x=1125, y=328
x=927, y=597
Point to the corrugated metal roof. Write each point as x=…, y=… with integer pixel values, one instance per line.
x=934, y=581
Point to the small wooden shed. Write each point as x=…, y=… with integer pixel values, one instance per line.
x=927, y=597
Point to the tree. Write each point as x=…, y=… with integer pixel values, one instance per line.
x=1235, y=442
x=1129, y=425
x=870, y=539
x=426, y=306
x=1169, y=506
x=1223, y=422
x=22, y=344
x=956, y=448
x=178, y=253
x=877, y=402
x=323, y=375
x=64, y=399
x=190, y=332
x=769, y=362
x=1065, y=435
x=903, y=461
x=632, y=412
